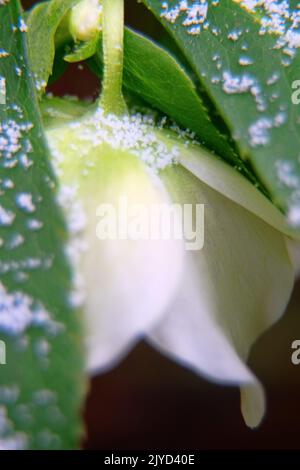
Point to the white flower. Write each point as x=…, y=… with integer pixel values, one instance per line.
x=202, y=308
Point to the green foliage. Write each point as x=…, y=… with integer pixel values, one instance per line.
x=41, y=386
x=247, y=73
x=154, y=75
x=83, y=50
x=43, y=23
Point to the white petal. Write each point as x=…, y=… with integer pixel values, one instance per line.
x=233, y=289
x=293, y=247
x=253, y=403
x=128, y=283
x=220, y=176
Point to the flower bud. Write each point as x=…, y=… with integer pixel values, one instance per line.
x=85, y=20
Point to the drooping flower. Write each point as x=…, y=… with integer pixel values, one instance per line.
x=203, y=308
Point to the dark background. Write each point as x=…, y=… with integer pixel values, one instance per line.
x=149, y=402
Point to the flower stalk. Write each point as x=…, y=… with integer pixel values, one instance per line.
x=112, y=99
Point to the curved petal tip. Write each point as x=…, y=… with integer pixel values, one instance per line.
x=253, y=404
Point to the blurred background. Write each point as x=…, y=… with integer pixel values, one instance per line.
x=149, y=402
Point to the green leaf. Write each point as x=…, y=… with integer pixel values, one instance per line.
x=43, y=22
x=83, y=50
x=41, y=385
x=153, y=74
x=247, y=72
x=59, y=66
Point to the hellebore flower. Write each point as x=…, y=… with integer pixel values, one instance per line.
x=203, y=308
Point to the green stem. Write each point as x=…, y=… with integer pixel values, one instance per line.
x=112, y=99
